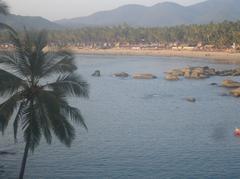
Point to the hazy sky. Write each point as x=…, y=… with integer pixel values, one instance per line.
x=58, y=9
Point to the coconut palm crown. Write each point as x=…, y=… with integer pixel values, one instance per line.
x=33, y=100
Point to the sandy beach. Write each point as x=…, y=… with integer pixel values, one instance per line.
x=221, y=57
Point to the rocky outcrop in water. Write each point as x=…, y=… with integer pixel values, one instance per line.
x=171, y=77
x=230, y=84
x=224, y=94
x=121, y=75
x=235, y=92
x=97, y=73
x=213, y=84
x=145, y=76
x=177, y=72
x=191, y=99
x=199, y=73
x=232, y=72
x=191, y=73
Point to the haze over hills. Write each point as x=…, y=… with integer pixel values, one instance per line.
x=162, y=14
x=30, y=22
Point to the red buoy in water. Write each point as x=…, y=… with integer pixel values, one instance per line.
x=237, y=132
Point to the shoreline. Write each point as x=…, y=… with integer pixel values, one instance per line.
x=222, y=57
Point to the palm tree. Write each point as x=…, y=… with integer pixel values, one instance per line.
x=34, y=100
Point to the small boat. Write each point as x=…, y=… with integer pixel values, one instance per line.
x=237, y=132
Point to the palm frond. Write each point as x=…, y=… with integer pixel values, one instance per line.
x=73, y=113
x=58, y=63
x=52, y=105
x=19, y=56
x=43, y=117
x=70, y=85
x=36, y=57
x=11, y=61
x=41, y=41
x=64, y=131
x=31, y=126
x=7, y=108
x=18, y=118
x=48, y=106
x=50, y=100
x=9, y=83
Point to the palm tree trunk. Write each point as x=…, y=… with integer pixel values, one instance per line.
x=24, y=161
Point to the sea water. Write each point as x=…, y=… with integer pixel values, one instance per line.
x=140, y=128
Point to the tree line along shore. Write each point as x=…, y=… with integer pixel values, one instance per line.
x=219, y=41
x=219, y=36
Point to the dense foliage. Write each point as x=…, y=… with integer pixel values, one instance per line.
x=221, y=34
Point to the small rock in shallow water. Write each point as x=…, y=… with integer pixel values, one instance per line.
x=230, y=84
x=6, y=153
x=235, y=92
x=224, y=94
x=176, y=72
x=121, y=75
x=171, y=77
x=191, y=99
x=96, y=73
x=145, y=76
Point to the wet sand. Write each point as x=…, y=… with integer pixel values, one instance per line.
x=221, y=57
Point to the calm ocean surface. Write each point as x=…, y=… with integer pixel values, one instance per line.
x=141, y=128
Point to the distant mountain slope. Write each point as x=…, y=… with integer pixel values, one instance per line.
x=36, y=23
x=216, y=10
x=162, y=14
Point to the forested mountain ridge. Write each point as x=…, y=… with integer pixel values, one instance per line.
x=161, y=14
x=30, y=22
